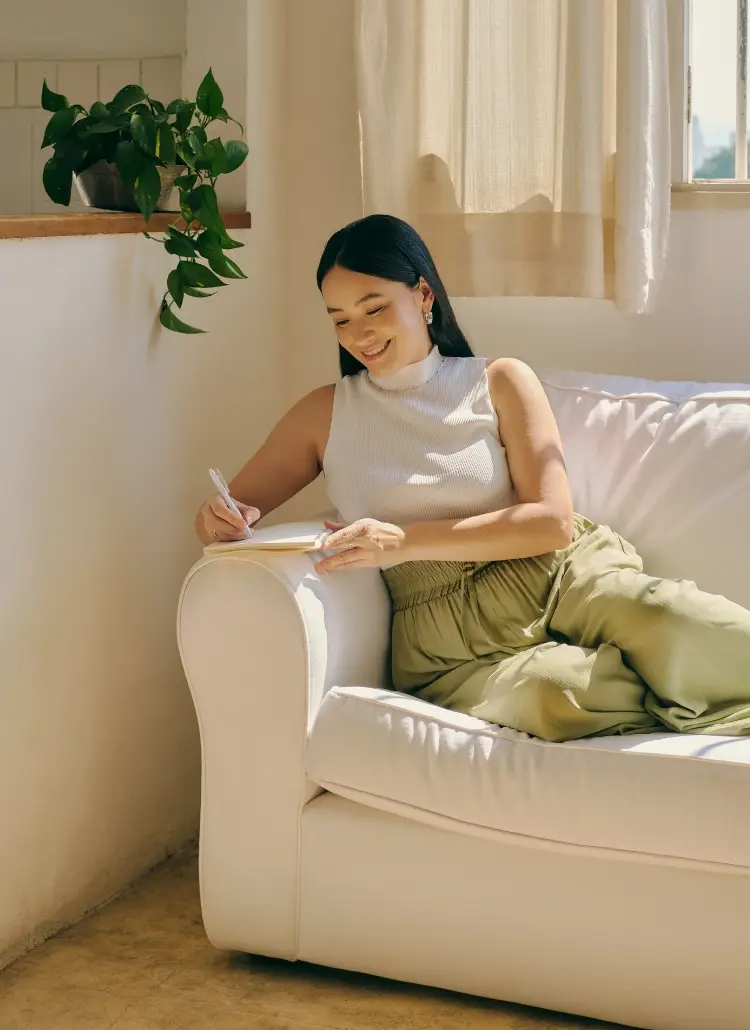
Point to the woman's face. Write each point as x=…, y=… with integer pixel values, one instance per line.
x=380, y=322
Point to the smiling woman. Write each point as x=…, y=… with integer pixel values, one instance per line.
x=448, y=476
x=383, y=290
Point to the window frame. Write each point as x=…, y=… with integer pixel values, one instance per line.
x=705, y=193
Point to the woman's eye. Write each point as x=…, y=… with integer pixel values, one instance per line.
x=345, y=321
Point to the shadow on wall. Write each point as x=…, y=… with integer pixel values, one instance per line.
x=531, y=251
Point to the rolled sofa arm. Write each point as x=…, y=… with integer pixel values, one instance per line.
x=262, y=637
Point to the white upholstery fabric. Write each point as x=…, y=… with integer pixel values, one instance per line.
x=608, y=877
x=262, y=638
x=566, y=929
x=665, y=464
x=670, y=795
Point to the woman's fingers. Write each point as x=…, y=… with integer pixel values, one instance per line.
x=219, y=509
x=217, y=529
x=249, y=513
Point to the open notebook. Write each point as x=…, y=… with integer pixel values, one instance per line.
x=289, y=538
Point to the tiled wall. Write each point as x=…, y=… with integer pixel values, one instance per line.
x=22, y=121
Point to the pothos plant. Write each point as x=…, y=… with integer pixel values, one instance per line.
x=142, y=136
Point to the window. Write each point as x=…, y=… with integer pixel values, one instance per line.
x=716, y=149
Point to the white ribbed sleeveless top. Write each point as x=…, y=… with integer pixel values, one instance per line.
x=419, y=445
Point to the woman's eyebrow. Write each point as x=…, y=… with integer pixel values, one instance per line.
x=367, y=296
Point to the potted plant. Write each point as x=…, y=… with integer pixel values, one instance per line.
x=130, y=153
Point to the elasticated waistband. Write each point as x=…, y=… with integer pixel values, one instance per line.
x=416, y=582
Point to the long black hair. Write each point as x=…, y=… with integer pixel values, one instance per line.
x=389, y=248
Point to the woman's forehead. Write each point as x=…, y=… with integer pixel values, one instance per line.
x=344, y=284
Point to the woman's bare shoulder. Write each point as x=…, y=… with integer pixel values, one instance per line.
x=315, y=410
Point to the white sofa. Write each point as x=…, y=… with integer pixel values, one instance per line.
x=352, y=826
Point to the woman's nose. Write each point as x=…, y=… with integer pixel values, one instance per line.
x=361, y=334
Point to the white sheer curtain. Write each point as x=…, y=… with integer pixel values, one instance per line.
x=527, y=140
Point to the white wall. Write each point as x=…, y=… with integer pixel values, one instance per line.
x=699, y=329
x=217, y=38
x=107, y=428
x=91, y=28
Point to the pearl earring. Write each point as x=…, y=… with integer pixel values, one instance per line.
x=428, y=317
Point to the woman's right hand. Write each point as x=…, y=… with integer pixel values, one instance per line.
x=216, y=522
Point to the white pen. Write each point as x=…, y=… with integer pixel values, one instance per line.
x=221, y=485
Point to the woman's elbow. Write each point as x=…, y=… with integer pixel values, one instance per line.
x=562, y=527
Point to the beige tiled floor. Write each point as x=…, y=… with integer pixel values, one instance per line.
x=143, y=963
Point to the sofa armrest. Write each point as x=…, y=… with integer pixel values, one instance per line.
x=262, y=637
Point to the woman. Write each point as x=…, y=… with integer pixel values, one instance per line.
x=449, y=474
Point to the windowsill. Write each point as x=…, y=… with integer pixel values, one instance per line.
x=98, y=223
x=710, y=196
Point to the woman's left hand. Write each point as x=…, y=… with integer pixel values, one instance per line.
x=366, y=543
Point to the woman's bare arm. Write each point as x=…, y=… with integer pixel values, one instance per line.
x=291, y=457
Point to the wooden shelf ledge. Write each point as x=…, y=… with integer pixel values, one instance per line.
x=98, y=223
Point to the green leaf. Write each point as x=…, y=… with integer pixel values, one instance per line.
x=72, y=151
x=52, y=101
x=185, y=211
x=99, y=111
x=180, y=244
x=146, y=189
x=210, y=245
x=190, y=291
x=221, y=116
x=174, y=105
x=218, y=157
x=183, y=149
x=227, y=243
x=129, y=159
x=236, y=150
x=166, y=148
x=184, y=115
x=175, y=287
x=126, y=97
x=194, y=141
x=59, y=125
x=194, y=274
x=142, y=109
x=170, y=321
x=224, y=266
x=208, y=242
x=143, y=130
x=108, y=144
x=210, y=98
x=205, y=205
x=186, y=182
x=57, y=178
x=205, y=157
x=158, y=107
x=101, y=128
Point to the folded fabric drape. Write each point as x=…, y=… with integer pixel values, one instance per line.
x=527, y=140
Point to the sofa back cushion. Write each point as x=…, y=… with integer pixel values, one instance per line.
x=667, y=465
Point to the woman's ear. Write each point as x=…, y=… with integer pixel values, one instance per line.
x=428, y=297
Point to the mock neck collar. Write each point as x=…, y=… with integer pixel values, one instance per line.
x=410, y=376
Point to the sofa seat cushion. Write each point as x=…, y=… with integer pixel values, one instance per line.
x=669, y=795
